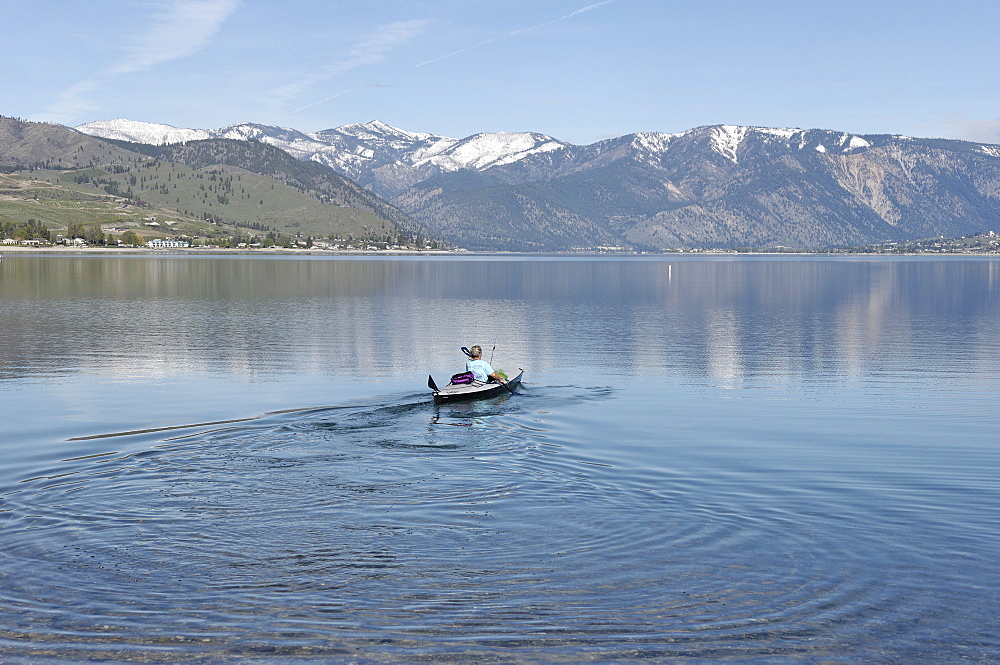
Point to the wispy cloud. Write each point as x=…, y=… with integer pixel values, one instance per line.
x=72, y=102
x=177, y=30
x=370, y=51
x=514, y=33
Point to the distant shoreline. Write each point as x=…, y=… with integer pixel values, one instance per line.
x=56, y=250
x=224, y=251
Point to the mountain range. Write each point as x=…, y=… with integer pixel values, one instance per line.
x=216, y=188
x=717, y=186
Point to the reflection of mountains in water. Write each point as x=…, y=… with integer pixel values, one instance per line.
x=731, y=318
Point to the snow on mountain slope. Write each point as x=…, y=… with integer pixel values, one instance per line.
x=389, y=160
x=481, y=151
x=654, y=142
x=141, y=132
x=726, y=140
x=358, y=148
x=351, y=147
x=378, y=131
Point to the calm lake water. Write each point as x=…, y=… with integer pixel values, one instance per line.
x=757, y=459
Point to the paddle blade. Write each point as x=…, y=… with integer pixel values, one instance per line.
x=466, y=352
x=431, y=384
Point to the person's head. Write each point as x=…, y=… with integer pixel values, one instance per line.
x=476, y=352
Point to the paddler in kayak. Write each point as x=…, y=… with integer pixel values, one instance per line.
x=481, y=369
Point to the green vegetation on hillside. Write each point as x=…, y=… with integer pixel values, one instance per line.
x=307, y=177
x=228, y=196
x=45, y=205
x=58, y=182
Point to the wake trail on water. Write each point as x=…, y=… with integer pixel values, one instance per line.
x=469, y=529
x=167, y=428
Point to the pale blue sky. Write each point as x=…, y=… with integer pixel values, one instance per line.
x=578, y=70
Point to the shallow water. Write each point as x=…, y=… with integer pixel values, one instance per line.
x=756, y=460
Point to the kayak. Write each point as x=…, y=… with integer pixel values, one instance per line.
x=475, y=390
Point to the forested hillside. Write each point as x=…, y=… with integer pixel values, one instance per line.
x=59, y=180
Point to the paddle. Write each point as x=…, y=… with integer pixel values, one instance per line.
x=431, y=384
x=504, y=384
x=466, y=352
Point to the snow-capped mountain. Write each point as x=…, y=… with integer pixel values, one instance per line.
x=718, y=186
x=142, y=132
x=364, y=151
x=373, y=154
x=390, y=161
x=712, y=186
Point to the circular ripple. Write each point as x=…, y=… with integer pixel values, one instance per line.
x=450, y=531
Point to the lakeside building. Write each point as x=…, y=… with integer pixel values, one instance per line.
x=161, y=243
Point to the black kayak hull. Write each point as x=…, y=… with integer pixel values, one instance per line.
x=475, y=390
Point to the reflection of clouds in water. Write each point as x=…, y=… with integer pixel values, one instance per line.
x=862, y=327
x=725, y=362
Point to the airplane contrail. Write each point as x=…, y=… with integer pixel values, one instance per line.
x=383, y=44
